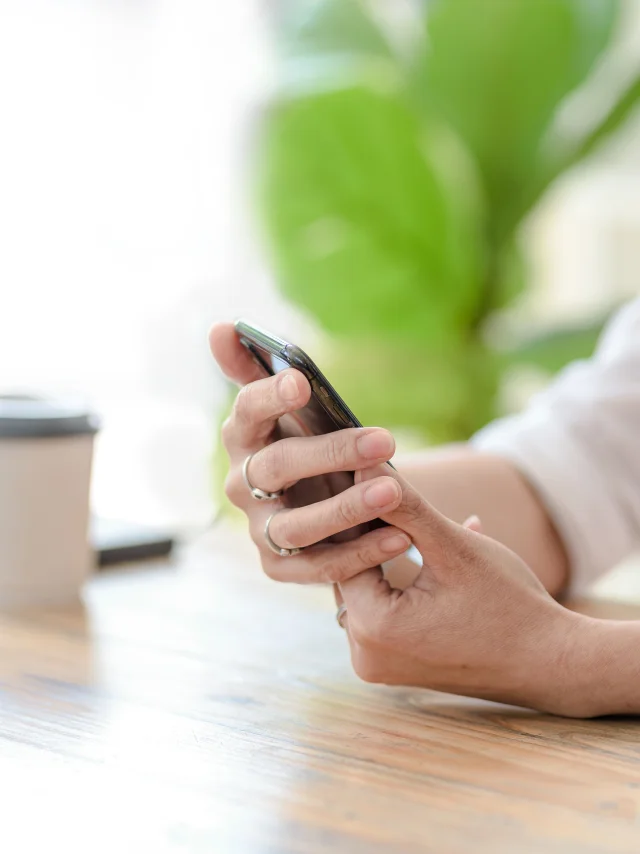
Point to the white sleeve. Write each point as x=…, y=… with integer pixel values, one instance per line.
x=578, y=444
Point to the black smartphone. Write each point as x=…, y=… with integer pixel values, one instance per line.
x=325, y=412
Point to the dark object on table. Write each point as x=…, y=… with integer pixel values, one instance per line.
x=118, y=542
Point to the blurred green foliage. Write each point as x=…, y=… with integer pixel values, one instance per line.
x=393, y=183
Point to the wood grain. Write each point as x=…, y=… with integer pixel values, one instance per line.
x=197, y=706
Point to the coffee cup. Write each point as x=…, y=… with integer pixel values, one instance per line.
x=46, y=452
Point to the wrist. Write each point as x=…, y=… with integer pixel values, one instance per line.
x=592, y=667
x=562, y=673
x=606, y=672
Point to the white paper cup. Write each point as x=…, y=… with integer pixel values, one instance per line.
x=46, y=451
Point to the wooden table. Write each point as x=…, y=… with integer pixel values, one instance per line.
x=197, y=706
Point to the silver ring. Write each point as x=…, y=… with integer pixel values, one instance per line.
x=340, y=613
x=273, y=546
x=256, y=492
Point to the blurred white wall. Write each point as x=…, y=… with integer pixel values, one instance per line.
x=124, y=124
x=584, y=238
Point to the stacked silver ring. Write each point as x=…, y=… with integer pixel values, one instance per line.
x=256, y=492
x=263, y=495
x=279, y=550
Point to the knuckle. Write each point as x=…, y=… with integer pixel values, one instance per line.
x=232, y=488
x=335, y=450
x=347, y=513
x=366, y=556
x=349, y=561
x=227, y=431
x=466, y=553
x=244, y=404
x=369, y=556
x=366, y=666
x=413, y=506
x=271, y=566
x=272, y=463
x=332, y=571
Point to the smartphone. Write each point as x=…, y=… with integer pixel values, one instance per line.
x=325, y=412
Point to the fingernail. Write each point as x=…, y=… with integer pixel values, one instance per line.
x=376, y=446
x=288, y=387
x=381, y=494
x=395, y=543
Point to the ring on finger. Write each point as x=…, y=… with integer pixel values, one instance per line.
x=341, y=613
x=279, y=550
x=256, y=492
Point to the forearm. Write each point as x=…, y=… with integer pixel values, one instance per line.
x=461, y=482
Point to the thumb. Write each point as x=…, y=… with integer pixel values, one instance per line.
x=234, y=359
x=437, y=537
x=473, y=523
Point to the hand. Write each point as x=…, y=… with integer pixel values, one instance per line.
x=475, y=622
x=303, y=466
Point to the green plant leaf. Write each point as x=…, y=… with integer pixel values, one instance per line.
x=366, y=231
x=443, y=392
x=498, y=71
x=510, y=276
x=391, y=188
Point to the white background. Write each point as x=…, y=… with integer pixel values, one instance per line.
x=123, y=235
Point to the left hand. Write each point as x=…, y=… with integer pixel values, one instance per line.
x=476, y=621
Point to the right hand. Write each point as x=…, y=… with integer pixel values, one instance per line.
x=327, y=525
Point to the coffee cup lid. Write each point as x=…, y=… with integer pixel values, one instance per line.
x=25, y=417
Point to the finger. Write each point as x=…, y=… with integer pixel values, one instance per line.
x=332, y=563
x=283, y=463
x=259, y=405
x=367, y=597
x=443, y=544
x=234, y=359
x=343, y=618
x=305, y=526
x=473, y=523
x=414, y=514
x=337, y=595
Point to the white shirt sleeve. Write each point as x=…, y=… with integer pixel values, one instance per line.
x=578, y=444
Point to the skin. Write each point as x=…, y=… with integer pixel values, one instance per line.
x=480, y=619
